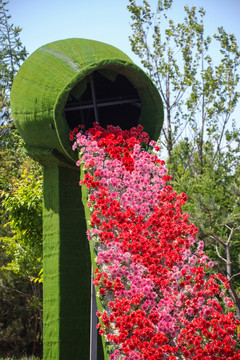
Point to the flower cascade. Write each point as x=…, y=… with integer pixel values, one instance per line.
x=159, y=297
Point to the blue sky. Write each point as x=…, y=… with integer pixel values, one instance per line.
x=44, y=21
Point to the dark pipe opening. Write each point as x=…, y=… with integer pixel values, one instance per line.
x=117, y=102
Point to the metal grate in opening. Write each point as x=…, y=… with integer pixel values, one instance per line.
x=106, y=98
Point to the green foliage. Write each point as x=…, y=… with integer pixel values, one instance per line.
x=213, y=190
x=20, y=249
x=24, y=208
x=199, y=93
x=20, y=216
x=13, y=161
x=19, y=324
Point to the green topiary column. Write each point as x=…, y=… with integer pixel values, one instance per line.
x=66, y=263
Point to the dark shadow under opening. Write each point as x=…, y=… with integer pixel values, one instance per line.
x=104, y=97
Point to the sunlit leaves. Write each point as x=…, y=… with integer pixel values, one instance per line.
x=23, y=206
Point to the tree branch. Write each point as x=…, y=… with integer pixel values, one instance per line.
x=220, y=255
x=234, y=276
x=216, y=238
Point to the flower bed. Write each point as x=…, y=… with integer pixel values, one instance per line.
x=157, y=296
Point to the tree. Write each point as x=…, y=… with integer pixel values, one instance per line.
x=213, y=204
x=198, y=96
x=23, y=207
x=20, y=214
x=23, y=245
x=12, y=54
x=21, y=249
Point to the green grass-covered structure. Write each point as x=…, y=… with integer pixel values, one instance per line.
x=61, y=85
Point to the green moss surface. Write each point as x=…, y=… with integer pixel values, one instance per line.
x=67, y=269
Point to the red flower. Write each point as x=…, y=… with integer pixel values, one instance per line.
x=102, y=291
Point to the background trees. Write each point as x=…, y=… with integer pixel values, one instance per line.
x=12, y=53
x=213, y=205
x=20, y=249
x=20, y=215
x=200, y=93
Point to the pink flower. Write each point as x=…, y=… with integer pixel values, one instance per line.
x=200, y=246
x=152, y=143
x=211, y=264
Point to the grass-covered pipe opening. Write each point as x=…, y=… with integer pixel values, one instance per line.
x=124, y=96
x=53, y=92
